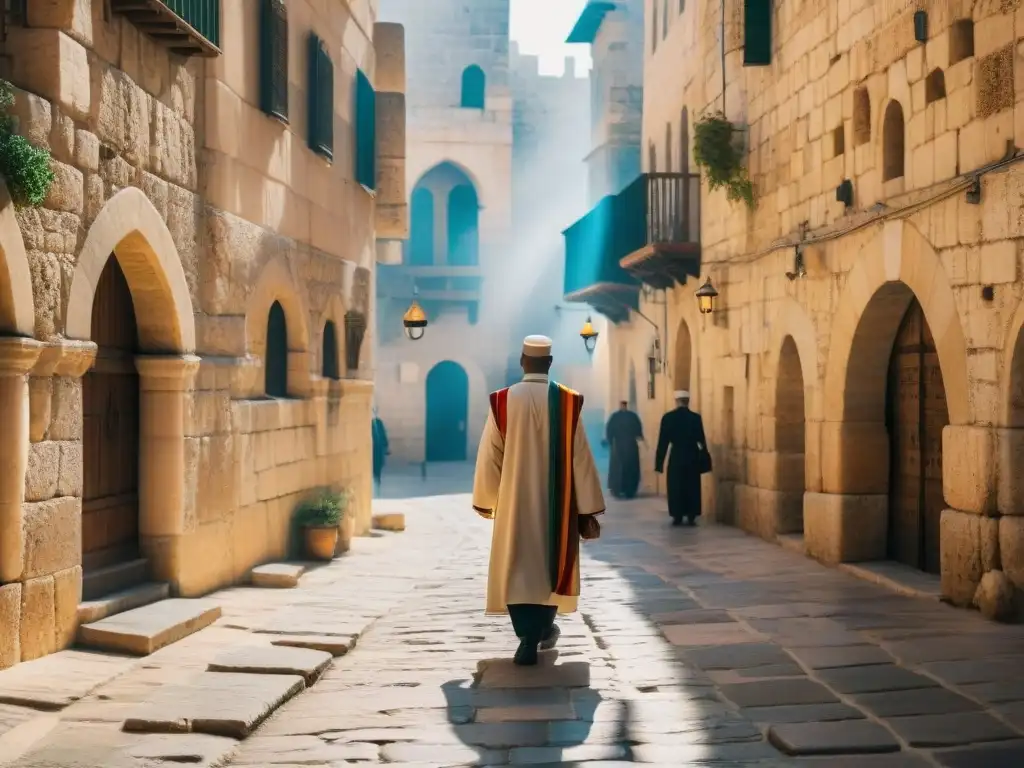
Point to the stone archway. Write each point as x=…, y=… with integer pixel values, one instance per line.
x=276, y=284
x=683, y=362
x=1010, y=490
x=790, y=440
x=850, y=519
x=447, y=417
x=129, y=239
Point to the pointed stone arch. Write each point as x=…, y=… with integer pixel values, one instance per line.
x=334, y=313
x=276, y=284
x=17, y=312
x=794, y=322
x=133, y=230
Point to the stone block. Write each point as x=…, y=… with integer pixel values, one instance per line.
x=41, y=473
x=307, y=663
x=53, y=536
x=277, y=575
x=38, y=633
x=847, y=737
x=764, y=693
x=998, y=262
x=391, y=125
x=1011, y=548
x=150, y=628
x=502, y=673
x=846, y=528
x=10, y=625
x=214, y=703
x=63, y=80
x=54, y=682
x=389, y=521
x=1010, y=491
x=389, y=47
x=67, y=594
x=932, y=731
x=70, y=475
x=969, y=468
x=336, y=645
x=996, y=597
x=68, y=190
x=854, y=457
x=66, y=418
x=968, y=546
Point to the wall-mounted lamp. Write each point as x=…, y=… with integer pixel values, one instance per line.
x=415, y=319
x=974, y=192
x=921, y=26
x=706, y=296
x=654, y=361
x=844, y=193
x=799, y=270
x=589, y=336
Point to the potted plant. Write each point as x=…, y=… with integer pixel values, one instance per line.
x=320, y=518
x=719, y=153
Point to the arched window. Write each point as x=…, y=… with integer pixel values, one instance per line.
x=934, y=86
x=668, y=147
x=892, y=142
x=275, y=361
x=421, y=228
x=861, y=117
x=329, y=354
x=463, y=226
x=474, y=87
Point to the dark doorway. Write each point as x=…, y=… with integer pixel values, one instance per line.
x=447, y=412
x=463, y=226
x=916, y=414
x=110, y=436
x=275, y=363
x=420, y=247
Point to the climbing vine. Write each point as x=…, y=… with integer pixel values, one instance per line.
x=25, y=167
x=718, y=153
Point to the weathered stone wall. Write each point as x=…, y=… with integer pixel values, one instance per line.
x=782, y=357
x=214, y=211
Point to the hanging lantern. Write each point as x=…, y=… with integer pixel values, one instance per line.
x=706, y=296
x=415, y=321
x=589, y=336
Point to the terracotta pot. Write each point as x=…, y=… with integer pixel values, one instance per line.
x=346, y=530
x=321, y=542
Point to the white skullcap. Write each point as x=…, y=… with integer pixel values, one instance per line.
x=682, y=394
x=537, y=346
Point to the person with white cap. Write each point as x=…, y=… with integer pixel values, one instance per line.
x=682, y=431
x=536, y=479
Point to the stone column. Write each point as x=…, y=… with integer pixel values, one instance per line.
x=391, y=209
x=165, y=497
x=17, y=356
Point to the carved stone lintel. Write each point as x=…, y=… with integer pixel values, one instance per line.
x=18, y=355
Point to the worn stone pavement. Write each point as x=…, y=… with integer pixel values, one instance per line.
x=702, y=647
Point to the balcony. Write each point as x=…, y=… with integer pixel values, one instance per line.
x=594, y=245
x=186, y=27
x=435, y=283
x=661, y=212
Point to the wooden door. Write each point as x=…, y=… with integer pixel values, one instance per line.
x=447, y=412
x=110, y=429
x=916, y=415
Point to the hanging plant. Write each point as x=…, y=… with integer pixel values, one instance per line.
x=717, y=152
x=25, y=167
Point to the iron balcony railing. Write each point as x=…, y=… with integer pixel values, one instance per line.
x=187, y=27
x=660, y=209
x=202, y=15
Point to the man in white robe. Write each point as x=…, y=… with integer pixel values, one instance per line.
x=535, y=478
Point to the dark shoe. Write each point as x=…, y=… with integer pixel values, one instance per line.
x=677, y=521
x=691, y=521
x=551, y=640
x=526, y=654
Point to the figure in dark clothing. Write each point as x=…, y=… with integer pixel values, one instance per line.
x=380, y=448
x=682, y=430
x=622, y=432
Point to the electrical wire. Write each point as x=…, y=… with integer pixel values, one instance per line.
x=890, y=213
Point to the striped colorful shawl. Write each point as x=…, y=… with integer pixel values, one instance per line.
x=564, y=408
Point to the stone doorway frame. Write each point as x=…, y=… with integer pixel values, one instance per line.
x=131, y=229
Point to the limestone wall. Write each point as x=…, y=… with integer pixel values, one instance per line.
x=214, y=211
x=811, y=354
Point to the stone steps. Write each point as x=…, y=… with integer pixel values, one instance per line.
x=125, y=600
x=114, y=578
x=142, y=631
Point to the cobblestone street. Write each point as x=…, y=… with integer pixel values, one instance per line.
x=693, y=647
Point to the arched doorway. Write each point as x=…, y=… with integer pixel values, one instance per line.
x=916, y=414
x=683, y=356
x=790, y=438
x=110, y=441
x=447, y=412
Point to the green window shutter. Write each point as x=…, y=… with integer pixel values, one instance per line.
x=366, y=132
x=757, y=33
x=321, y=99
x=274, y=58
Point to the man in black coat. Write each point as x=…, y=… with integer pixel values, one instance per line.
x=683, y=431
x=622, y=432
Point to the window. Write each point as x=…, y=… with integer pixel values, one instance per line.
x=420, y=245
x=892, y=142
x=274, y=58
x=961, y=40
x=934, y=86
x=329, y=354
x=861, y=117
x=275, y=361
x=664, y=19
x=838, y=141
x=757, y=33
x=474, y=88
x=321, y=99
x=366, y=132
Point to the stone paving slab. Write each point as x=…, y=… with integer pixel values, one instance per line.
x=215, y=703
x=504, y=674
x=144, y=630
x=738, y=656
x=778, y=692
x=918, y=701
x=829, y=657
x=337, y=645
x=874, y=679
x=273, y=660
x=802, y=713
x=950, y=730
x=55, y=681
x=1000, y=755
x=847, y=737
x=277, y=575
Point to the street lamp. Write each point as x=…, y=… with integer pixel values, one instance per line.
x=415, y=319
x=706, y=296
x=589, y=336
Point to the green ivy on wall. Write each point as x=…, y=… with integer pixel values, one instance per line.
x=26, y=168
x=720, y=156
